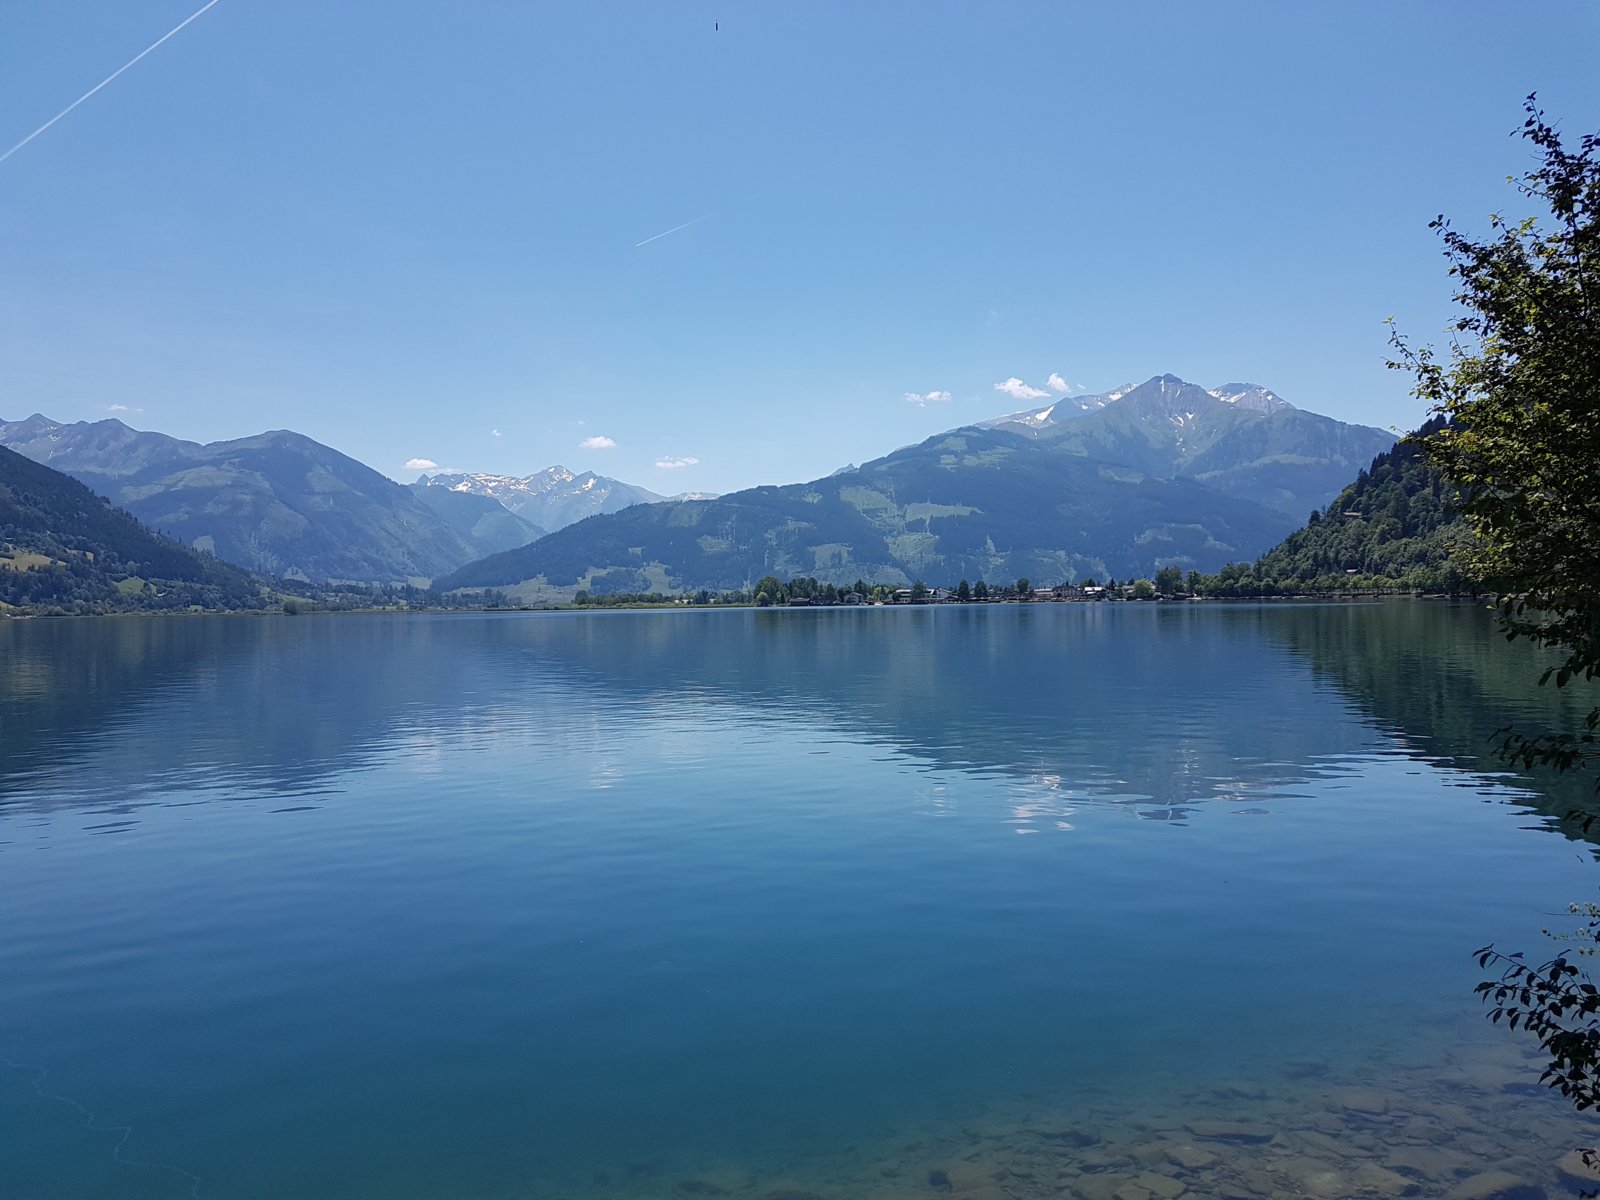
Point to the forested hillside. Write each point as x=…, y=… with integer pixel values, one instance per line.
x=63, y=548
x=1394, y=528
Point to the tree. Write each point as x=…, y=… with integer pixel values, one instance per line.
x=1169, y=581
x=1024, y=588
x=919, y=592
x=1143, y=589
x=980, y=590
x=963, y=591
x=1520, y=392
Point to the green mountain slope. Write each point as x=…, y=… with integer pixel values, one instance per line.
x=63, y=547
x=277, y=502
x=1393, y=528
x=974, y=503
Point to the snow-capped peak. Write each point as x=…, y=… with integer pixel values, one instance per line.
x=1251, y=397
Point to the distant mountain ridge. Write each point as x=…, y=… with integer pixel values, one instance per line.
x=1162, y=473
x=276, y=502
x=552, y=498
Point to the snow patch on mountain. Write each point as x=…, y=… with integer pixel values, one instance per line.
x=552, y=498
x=1251, y=397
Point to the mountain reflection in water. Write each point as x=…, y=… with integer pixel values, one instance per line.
x=1187, y=704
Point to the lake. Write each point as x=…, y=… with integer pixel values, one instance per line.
x=996, y=901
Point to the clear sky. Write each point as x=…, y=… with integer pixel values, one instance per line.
x=419, y=231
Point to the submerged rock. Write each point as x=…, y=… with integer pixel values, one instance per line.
x=1431, y=1162
x=1314, y=1177
x=1496, y=1185
x=1096, y=1187
x=1231, y=1131
x=1190, y=1158
x=1366, y=1100
x=1076, y=1138
x=1161, y=1187
x=1370, y=1177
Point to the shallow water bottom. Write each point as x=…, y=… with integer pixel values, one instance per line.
x=1472, y=1124
x=1469, y=1122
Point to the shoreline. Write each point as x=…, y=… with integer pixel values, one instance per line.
x=1349, y=597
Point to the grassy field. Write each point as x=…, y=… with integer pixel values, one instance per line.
x=22, y=560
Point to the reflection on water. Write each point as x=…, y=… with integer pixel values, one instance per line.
x=990, y=901
x=1165, y=705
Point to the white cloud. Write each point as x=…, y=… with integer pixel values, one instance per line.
x=1057, y=384
x=421, y=464
x=115, y=408
x=598, y=442
x=1018, y=390
x=674, y=464
x=934, y=397
x=494, y=433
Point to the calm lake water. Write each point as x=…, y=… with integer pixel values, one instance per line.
x=999, y=901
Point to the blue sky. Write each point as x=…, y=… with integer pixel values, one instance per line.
x=410, y=230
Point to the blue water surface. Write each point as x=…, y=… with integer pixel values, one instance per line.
x=570, y=904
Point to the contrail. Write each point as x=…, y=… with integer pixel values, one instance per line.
x=175, y=29
x=658, y=236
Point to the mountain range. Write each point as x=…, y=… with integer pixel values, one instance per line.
x=552, y=498
x=1158, y=474
x=289, y=506
x=276, y=502
x=1119, y=483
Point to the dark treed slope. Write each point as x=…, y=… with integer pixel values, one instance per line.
x=1394, y=527
x=277, y=502
x=63, y=547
